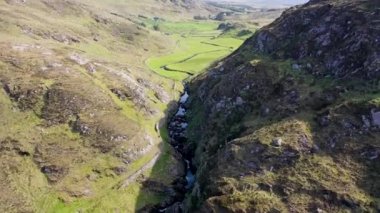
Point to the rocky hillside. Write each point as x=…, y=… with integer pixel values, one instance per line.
x=184, y=3
x=291, y=121
x=79, y=111
x=167, y=9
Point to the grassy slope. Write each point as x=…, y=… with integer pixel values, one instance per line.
x=250, y=174
x=124, y=45
x=37, y=194
x=198, y=46
x=27, y=189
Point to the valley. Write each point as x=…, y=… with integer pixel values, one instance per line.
x=198, y=45
x=85, y=98
x=189, y=106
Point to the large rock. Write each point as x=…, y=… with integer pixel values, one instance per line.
x=340, y=35
x=375, y=117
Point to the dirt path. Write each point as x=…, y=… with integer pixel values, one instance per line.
x=132, y=178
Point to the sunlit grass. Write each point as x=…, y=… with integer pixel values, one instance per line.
x=196, y=50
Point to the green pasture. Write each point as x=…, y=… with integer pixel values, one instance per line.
x=198, y=46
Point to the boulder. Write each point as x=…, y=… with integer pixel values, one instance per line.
x=277, y=142
x=375, y=116
x=54, y=173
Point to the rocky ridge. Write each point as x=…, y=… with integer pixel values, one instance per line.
x=289, y=122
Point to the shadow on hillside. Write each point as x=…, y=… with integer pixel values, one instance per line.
x=352, y=151
x=342, y=167
x=165, y=182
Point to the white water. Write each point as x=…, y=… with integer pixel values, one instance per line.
x=184, y=125
x=181, y=111
x=190, y=178
x=177, y=128
x=184, y=98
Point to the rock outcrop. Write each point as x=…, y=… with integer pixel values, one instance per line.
x=342, y=38
x=287, y=123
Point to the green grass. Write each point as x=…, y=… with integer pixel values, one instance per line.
x=129, y=199
x=106, y=198
x=123, y=200
x=197, y=48
x=183, y=27
x=227, y=42
x=200, y=62
x=159, y=169
x=59, y=144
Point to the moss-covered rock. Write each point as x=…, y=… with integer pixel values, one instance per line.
x=287, y=122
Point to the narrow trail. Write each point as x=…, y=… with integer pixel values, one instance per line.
x=132, y=178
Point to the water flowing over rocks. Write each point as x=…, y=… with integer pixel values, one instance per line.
x=177, y=127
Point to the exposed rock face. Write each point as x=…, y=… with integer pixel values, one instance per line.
x=15, y=1
x=27, y=96
x=297, y=101
x=53, y=172
x=375, y=118
x=67, y=39
x=60, y=105
x=343, y=37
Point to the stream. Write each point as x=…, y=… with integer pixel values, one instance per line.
x=177, y=127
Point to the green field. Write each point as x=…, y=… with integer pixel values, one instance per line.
x=118, y=47
x=198, y=45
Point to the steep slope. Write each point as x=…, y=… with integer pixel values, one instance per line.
x=290, y=121
x=79, y=111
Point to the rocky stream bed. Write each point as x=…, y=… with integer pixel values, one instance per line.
x=177, y=127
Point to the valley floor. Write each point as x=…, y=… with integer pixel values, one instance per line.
x=84, y=97
x=198, y=45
